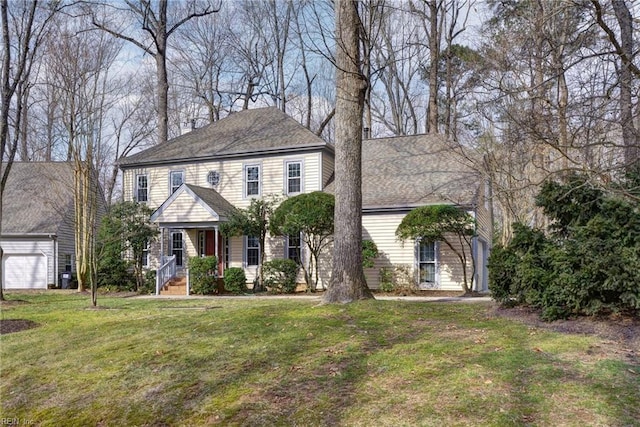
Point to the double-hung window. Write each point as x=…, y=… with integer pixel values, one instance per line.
x=142, y=188
x=293, y=171
x=293, y=248
x=427, y=262
x=145, y=255
x=177, y=247
x=252, y=251
x=176, y=178
x=251, y=180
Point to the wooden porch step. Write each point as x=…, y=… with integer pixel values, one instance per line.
x=176, y=286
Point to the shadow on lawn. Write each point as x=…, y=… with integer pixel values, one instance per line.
x=318, y=379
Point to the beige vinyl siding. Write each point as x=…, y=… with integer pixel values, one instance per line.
x=381, y=228
x=231, y=171
x=483, y=222
x=185, y=209
x=328, y=167
x=450, y=267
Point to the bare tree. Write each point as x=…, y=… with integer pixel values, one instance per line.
x=156, y=26
x=347, y=279
x=24, y=24
x=627, y=73
x=80, y=68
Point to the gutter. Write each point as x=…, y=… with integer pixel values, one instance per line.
x=407, y=208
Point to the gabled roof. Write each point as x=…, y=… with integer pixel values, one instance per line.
x=37, y=197
x=410, y=171
x=261, y=130
x=211, y=205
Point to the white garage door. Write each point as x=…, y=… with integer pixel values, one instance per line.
x=24, y=271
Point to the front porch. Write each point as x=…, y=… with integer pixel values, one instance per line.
x=189, y=222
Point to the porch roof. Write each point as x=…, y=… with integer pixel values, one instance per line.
x=193, y=204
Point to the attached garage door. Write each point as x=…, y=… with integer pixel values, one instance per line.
x=24, y=271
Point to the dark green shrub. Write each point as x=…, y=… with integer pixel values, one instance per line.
x=503, y=263
x=149, y=284
x=203, y=275
x=589, y=265
x=280, y=275
x=369, y=253
x=235, y=280
x=387, y=280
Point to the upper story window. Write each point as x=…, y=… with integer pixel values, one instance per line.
x=252, y=180
x=293, y=183
x=176, y=179
x=142, y=188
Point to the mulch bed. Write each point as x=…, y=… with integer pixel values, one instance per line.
x=8, y=326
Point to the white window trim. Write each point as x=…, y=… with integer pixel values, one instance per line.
x=245, y=252
x=436, y=248
x=137, y=183
x=286, y=177
x=286, y=248
x=171, y=172
x=184, y=249
x=245, y=187
x=147, y=249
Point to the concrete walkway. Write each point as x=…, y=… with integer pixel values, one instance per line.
x=318, y=298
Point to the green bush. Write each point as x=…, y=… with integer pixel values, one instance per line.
x=369, y=253
x=203, y=275
x=503, y=263
x=235, y=280
x=386, y=280
x=588, y=265
x=280, y=275
x=149, y=284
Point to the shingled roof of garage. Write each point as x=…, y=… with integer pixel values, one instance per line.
x=38, y=197
x=417, y=170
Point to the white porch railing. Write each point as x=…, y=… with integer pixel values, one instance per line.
x=166, y=272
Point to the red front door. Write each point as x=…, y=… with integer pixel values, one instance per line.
x=210, y=243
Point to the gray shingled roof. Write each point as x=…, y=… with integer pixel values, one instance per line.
x=410, y=171
x=212, y=198
x=37, y=197
x=247, y=131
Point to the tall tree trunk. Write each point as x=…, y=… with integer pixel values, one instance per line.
x=629, y=133
x=347, y=280
x=434, y=52
x=161, y=69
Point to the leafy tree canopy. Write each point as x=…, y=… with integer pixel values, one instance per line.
x=309, y=213
x=433, y=222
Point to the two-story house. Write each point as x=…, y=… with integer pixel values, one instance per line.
x=194, y=180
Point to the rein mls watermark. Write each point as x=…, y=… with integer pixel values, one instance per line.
x=16, y=422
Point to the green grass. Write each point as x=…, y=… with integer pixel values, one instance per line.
x=292, y=362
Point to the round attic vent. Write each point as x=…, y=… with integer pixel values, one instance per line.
x=213, y=177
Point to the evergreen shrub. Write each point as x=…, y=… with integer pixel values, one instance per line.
x=235, y=280
x=203, y=275
x=280, y=275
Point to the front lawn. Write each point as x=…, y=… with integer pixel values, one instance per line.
x=267, y=361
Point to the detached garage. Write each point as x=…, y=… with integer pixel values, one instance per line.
x=37, y=225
